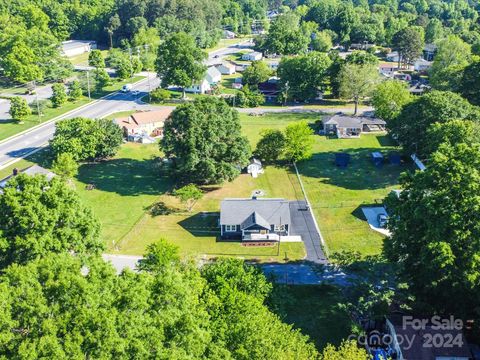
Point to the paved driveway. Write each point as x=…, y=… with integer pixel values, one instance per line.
x=303, y=225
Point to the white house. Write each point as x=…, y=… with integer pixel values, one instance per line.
x=252, y=56
x=213, y=76
x=226, y=68
x=227, y=34
x=199, y=88
x=72, y=48
x=422, y=65
x=255, y=167
x=393, y=56
x=388, y=69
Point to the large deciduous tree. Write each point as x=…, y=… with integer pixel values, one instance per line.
x=452, y=55
x=86, y=139
x=270, y=146
x=299, y=141
x=357, y=82
x=205, y=142
x=19, y=109
x=286, y=36
x=179, y=61
x=41, y=217
x=409, y=43
x=435, y=226
x=411, y=125
x=59, y=95
x=389, y=98
x=470, y=83
x=302, y=77
x=256, y=73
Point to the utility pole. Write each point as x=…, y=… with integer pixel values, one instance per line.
x=88, y=84
x=36, y=99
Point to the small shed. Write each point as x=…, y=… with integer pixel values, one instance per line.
x=377, y=158
x=394, y=158
x=342, y=159
x=255, y=167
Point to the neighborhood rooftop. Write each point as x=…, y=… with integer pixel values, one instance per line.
x=236, y=211
x=145, y=117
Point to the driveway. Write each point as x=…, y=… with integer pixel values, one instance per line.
x=303, y=224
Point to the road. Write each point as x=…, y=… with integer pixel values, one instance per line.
x=20, y=146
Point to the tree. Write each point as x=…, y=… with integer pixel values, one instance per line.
x=159, y=256
x=114, y=24
x=470, y=83
x=452, y=55
x=409, y=43
x=271, y=145
x=389, y=98
x=411, y=125
x=435, y=229
x=246, y=98
x=451, y=132
x=256, y=73
x=59, y=95
x=95, y=59
x=286, y=36
x=179, y=61
x=42, y=217
x=20, y=64
x=19, y=109
x=189, y=195
x=65, y=166
x=299, y=141
x=75, y=90
x=348, y=350
x=160, y=95
x=322, y=41
x=110, y=138
x=86, y=139
x=357, y=82
x=204, y=139
x=303, y=76
x=102, y=79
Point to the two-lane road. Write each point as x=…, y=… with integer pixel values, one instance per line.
x=18, y=147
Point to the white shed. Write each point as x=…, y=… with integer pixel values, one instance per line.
x=255, y=167
x=213, y=76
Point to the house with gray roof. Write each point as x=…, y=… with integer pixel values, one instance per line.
x=31, y=171
x=254, y=219
x=345, y=126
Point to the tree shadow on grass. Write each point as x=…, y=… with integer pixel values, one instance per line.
x=360, y=174
x=125, y=176
x=203, y=224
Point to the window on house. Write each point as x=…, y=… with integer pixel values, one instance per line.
x=279, y=227
x=230, y=228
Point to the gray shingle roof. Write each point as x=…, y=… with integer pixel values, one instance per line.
x=352, y=121
x=269, y=211
x=255, y=219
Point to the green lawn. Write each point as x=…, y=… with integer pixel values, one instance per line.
x=314, y=310
x=82, y=59
x=337, y=194
x=226, y=43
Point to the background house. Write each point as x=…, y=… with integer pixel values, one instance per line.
x=72, y=48
x=201, y=87
x=144, y=123
x=252, y=56
x=226, y=68
x=345, y=126
x=227, y=34
x=254, y=219
x=31, y=171
x=213, y=76
x=422, y=65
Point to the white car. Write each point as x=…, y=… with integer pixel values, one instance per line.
x=126, y=88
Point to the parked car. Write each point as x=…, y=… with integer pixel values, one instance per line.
x=126, y=88
x=135, y=92
x=382, y=220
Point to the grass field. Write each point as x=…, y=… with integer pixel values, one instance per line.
x=82, y=59
x=337, y=194
x=314, y=311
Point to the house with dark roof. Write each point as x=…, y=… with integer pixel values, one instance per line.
x=345, y=126
x=254, y=219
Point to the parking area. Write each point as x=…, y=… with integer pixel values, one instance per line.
x=371, y=214
x=303, y=225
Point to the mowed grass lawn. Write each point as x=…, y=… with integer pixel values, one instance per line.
x=337, y=194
